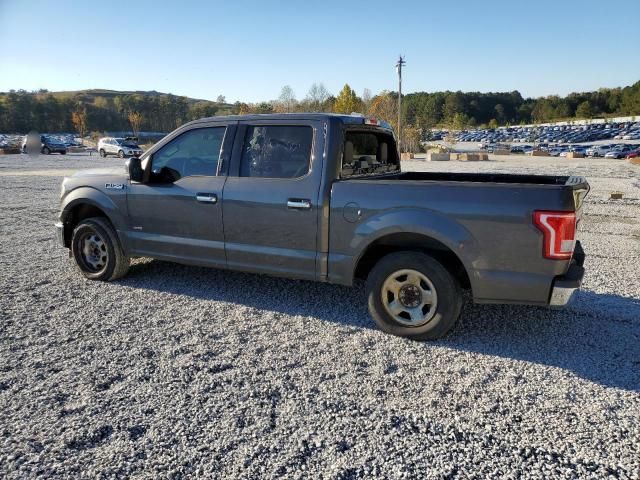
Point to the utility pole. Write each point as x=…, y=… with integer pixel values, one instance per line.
x=399, y=65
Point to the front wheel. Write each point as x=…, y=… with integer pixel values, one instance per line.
x=46, y=151
x=102, y=153
x=410, y=294
x=121, y=154
x=96, y=250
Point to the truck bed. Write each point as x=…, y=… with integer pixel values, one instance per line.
x=485, y=218
x=501, y=178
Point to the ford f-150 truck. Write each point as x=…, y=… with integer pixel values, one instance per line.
x=322, y=197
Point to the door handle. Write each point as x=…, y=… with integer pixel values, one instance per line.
x=299, y=203
x=207, y=197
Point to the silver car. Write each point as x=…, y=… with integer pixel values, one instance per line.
x=598, y=150
x=122, y=147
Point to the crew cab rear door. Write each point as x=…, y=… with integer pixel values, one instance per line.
x=270, y=200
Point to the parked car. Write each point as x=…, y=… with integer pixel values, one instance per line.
x=633, y=154
x=620, y=152
x=322, y=197
x=47, y=145
x=598, y=150
x=556, y=152
x=122, y=147
x=557, y=133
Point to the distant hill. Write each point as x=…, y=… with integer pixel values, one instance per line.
x=106, y=93
x=103, y=110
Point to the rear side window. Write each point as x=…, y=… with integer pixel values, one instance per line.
x=195, y=152
x=369, y=152
x=276, y=151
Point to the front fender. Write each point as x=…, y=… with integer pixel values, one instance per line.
x=114, y=209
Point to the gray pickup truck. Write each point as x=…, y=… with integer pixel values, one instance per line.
x=322, y=197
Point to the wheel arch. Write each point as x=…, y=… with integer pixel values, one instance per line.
x=86, y=203
x=411, y=241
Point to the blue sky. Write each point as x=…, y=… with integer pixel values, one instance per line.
x=247, y=50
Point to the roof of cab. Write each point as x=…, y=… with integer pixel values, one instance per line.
x=348, y=119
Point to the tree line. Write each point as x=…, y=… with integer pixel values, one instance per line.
x=86, y=111
x=460, y=110
x=22, y=111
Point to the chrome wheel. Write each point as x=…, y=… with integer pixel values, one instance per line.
x=94, y=252
x=409, y=297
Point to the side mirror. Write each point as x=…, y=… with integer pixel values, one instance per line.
x=134, y=167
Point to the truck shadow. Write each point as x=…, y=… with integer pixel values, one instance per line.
x=597, y=337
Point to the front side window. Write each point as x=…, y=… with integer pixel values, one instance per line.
x=276, y=151
x=195, y=152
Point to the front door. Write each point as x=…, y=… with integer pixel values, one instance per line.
x=270, y=199
x=176, y=213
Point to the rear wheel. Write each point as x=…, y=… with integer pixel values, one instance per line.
x=410, y=294
x=103, y=153
x=96, y=250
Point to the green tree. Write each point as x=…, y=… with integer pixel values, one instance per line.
x=460, y=121
x=584, y=110
x=453, y=105
x=347, y=101
x=493, y=123
x=499, y=108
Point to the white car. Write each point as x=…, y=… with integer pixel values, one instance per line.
x=122, y=147
x=555, y=152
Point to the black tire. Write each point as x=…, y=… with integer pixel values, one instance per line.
x=64, y=152
x=448, y=298
x=46, y=151
x=102, y=153
x=121, y=154
x=112, y=264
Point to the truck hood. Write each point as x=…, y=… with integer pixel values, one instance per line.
x=101, y=172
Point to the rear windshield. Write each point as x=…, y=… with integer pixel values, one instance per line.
x=369, y=152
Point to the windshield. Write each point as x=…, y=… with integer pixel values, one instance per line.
x=126, y=143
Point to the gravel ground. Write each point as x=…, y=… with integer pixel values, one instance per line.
x=179, y=371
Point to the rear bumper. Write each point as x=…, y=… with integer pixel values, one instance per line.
x=566, y=285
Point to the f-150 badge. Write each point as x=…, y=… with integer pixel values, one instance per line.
x=114, y=186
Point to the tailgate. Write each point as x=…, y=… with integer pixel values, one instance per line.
x=580, y=188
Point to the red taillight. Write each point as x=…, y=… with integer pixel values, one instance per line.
x=559, y=229
x=371, y=121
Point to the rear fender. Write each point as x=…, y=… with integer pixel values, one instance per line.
x=422, y=222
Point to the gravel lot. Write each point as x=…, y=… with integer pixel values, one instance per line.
x=178, y=371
